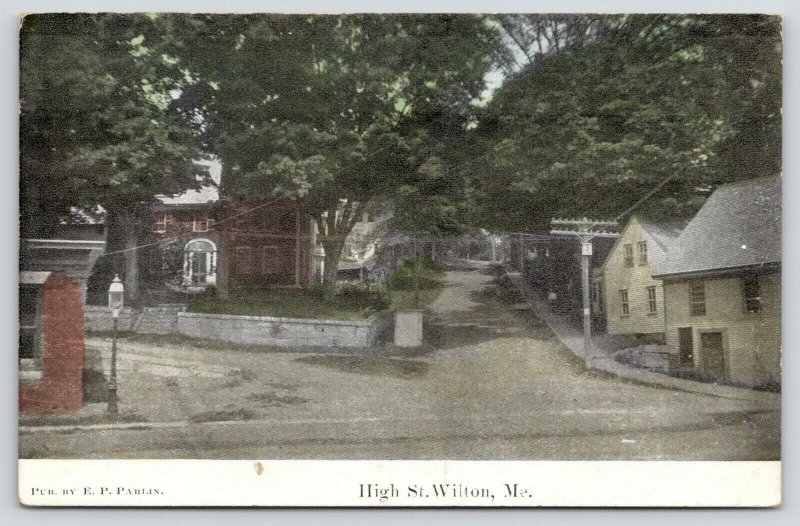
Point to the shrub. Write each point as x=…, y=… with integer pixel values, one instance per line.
x=403, y=279
x=353, y=295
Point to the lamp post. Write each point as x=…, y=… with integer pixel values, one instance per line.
x=115, y=301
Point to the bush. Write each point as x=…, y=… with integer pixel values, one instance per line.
x=429, y=275
x=353, y=296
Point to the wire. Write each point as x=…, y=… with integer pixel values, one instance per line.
x=168, y=239
x=647, y=196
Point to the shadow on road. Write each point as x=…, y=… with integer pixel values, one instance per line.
x=495, y=313
x=370, y=365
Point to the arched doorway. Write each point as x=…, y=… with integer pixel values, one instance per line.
x=200, y=263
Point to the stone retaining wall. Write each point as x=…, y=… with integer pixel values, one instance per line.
x=248, y=330
x=98, y=318
x=284, y=332
x=162, y=319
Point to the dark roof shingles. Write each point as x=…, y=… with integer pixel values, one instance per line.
x=738, y=226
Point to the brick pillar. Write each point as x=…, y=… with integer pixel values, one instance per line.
x=61, y=388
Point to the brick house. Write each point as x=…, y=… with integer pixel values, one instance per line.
x=633, y=297
x=203, y=241
x=722, y=285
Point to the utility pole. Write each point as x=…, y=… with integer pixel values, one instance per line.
x=585, y=230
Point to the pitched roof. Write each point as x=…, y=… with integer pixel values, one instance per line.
x=664, y=237
x=207, y=193
x=738, y=226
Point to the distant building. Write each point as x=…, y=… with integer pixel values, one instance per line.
x=358, y=254
x=634, y=300
x=552, y=267
x=722, y=285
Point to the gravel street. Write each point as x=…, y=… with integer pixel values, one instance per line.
x=493, y=383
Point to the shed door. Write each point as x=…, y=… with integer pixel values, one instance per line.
x=686, y=345
x=713, y=353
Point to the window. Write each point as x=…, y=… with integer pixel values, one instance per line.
x=623, y=299
x=652, y=305
x=269, y=260
x=752, y=293
x=642, y=246
x=697, y=298
x=201, y=222
x=160, y=224
x=30, y=325
x=628, y=254
x=244, y=263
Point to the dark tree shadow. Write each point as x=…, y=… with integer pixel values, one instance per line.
x=370, y=365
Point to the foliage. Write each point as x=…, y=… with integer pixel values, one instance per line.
x=353, y=296
x=280, y=302
x=345, y=112
x=609, y=107
x=430, y=275
x=93, y=123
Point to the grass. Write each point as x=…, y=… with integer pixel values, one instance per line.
x=285, y=302
x=279, y=302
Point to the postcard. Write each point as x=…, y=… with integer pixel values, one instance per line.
x=400, y=260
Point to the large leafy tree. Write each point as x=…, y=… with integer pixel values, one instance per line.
x=94, y=126
x=598, y=111
x=345, y=112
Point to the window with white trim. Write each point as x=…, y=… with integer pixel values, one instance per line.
x=201, y=222
x=160, y=224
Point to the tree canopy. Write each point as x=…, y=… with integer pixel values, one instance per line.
x=94, y=128
x=348, y=111
x=598, y=111
x=345, y=112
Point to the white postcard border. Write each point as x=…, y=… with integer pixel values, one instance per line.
x=340, y=483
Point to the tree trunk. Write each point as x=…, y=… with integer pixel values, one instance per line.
x=415, y=274
x=129, y=225
x=332, y=255
x=334, y=229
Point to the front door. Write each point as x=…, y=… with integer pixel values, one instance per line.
x=713, y=353
x=199, y=267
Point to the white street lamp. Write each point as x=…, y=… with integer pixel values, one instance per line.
x=116, y=299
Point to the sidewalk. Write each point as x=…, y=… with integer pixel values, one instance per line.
x=596, y=356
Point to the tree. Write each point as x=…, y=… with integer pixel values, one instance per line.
x=608, y=108
x=344, y=112
x=94, y=129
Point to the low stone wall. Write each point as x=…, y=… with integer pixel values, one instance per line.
x=248, y=330
x=98, y=318
x=284, y=332
x=162, y=319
